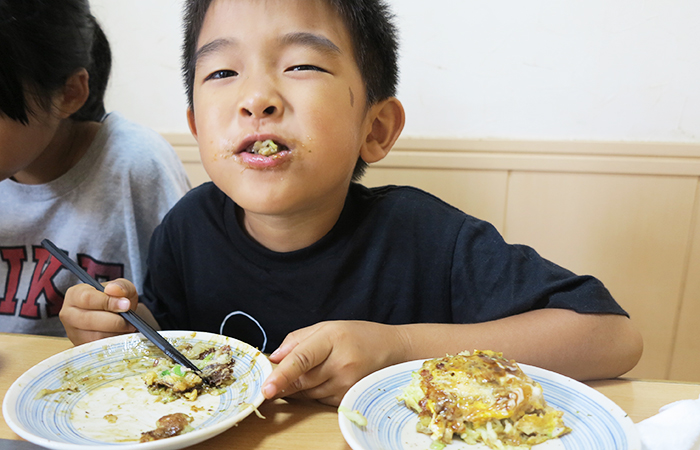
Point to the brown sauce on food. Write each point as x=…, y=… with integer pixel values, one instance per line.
x=483, y=397
x=167, y=426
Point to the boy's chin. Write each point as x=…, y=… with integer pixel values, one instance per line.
x=260, y=202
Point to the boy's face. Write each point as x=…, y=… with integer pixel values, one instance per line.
x=282, y=70
x=21, y=145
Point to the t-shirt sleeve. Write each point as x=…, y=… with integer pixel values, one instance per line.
x=145, y=171
x=163, y=292
x=492, y=279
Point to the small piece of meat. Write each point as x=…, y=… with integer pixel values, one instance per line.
x=206, y=353
x=220, y=370
x=217, y=374
x=167, y=426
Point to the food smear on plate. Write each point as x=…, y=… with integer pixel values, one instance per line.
x=133, y=411
x=481, y=398
x=68, y=386
x=168, y=426
x=119, y=401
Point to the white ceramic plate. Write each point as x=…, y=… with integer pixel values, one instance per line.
x=77, y=420
x=596, y=422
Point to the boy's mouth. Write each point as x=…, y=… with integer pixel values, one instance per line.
x=267, y=147
x=259, y=152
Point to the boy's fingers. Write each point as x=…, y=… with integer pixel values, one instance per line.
x=90, y=326
x=316, y=385
x=92, y=311
x=121, y=288
x=291, y=341
x=119, y=304
x=284, y=379
x=102, y=320
x=282, y=351
x=89, y=298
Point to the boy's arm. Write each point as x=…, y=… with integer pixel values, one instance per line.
x=323, y=361
x=88, y=314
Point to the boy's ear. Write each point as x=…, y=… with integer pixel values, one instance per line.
x=191, y=122
x=74, y=94
x=386, y=122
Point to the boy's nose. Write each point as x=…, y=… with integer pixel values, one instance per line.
x=259, y=112
x=261, y=104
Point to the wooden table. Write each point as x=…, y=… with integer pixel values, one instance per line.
x=298, y=424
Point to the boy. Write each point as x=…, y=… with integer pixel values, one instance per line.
x=283, y=244
x=95, y=182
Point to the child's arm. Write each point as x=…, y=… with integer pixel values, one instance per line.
x=88, y=314
x=323, y=361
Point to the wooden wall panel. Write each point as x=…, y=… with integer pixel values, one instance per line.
x=685, y=364
x=189, y=155
x=629, y=231
x=480, y=193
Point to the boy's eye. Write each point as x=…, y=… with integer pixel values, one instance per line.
x=302, y=67
x=219, y=74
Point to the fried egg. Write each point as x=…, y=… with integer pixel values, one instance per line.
x=481, y=397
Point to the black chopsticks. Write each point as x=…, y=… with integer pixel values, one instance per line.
x=130, y=316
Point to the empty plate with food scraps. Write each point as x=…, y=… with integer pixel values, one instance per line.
x=123, y=392
x=379, y=411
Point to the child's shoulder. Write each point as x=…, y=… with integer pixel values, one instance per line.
x=137, y=150
x=206, y=199
x=133, y=140
x=404, y=198
x=403, y=205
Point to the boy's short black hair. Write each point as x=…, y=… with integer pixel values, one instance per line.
x=371, y=28
x=43, y=43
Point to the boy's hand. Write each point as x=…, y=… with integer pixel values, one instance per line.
x=88, y=314
x=324, y=360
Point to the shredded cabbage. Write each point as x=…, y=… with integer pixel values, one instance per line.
x=353, y=416
x=412, y=394
x=437, y=445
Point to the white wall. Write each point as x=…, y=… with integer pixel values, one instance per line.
x=145, y=36
x=620, y=70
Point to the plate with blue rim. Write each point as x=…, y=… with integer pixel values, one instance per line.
x=597, y=423
x=105, y=403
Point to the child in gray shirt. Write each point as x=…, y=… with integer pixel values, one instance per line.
x=95, y=184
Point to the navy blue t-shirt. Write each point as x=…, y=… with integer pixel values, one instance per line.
x=396, y=255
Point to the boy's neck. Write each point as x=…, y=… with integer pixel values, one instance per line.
x=289, y=233
x=69, y=145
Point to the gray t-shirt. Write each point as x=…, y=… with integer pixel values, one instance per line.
x=102, y=212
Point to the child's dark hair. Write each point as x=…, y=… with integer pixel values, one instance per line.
x=373, y=34
x=43, y=43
